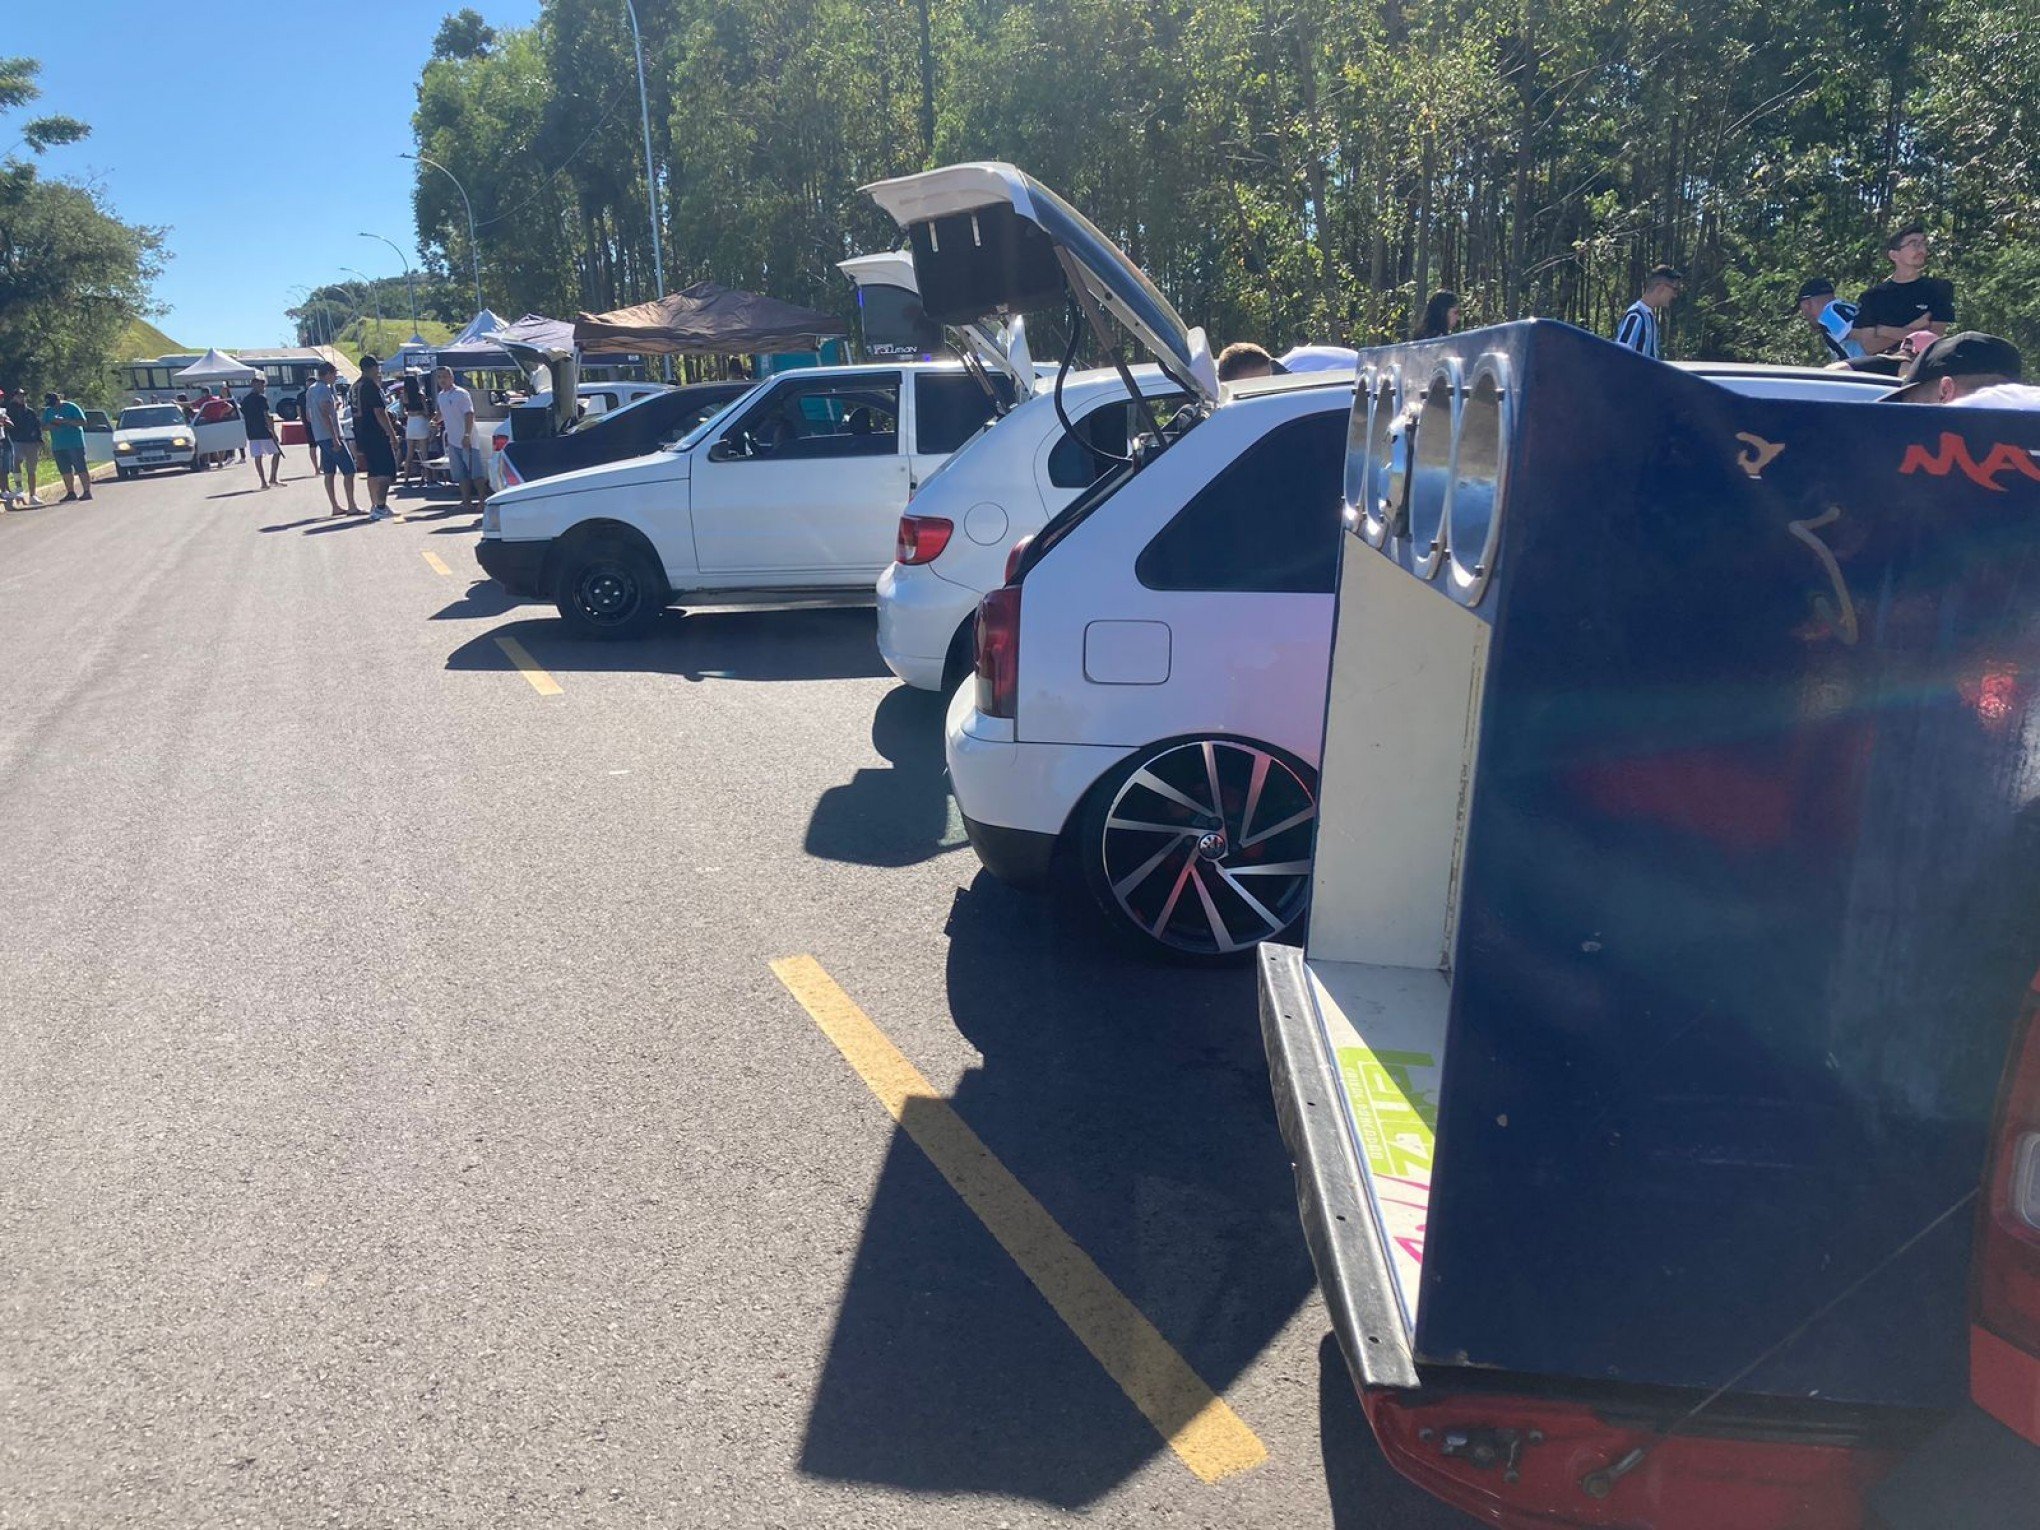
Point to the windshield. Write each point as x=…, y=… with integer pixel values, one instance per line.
x=696, y=435
x=590, y=421
x=151, y=416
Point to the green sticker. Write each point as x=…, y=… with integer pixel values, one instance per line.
x=1398, y=1121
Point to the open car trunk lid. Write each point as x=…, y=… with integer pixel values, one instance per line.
x=1677, y=879
x=987, y=238
x=1001, y=349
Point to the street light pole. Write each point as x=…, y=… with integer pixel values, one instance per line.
x=474, y=249
x=651, y=173
x=374, y=296
x=408, y=283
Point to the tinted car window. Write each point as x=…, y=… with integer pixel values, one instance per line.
x=1077, y=461
x=1269, y=521
x=806, y=421
x=949, y=410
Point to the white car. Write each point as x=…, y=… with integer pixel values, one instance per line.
x=1150, y=693
x=152, y=436
x=796, y=488
x=958, y=533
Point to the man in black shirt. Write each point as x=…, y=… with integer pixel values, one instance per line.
x=1904, y=301
x=261, y=432
x=375, y=438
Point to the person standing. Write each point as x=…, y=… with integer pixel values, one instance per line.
x=375, y=438
x=25, y=436
x=1906, y=300
x=1829, y=316
x=1441, y=317
x=7, y=459
x=214, y=409
x=322, y=430
x=65, y=423
x=1639, y=329
x=417, y=429
x=457, y=420
x=261, y=427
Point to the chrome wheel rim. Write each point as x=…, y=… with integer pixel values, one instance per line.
x=1207, y=846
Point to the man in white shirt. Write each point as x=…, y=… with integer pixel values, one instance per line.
x=457, y=419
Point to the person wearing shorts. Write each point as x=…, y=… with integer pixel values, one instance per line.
x=457, y=417
x=256, y=417
x=65, y=423
x=417, y=430
x=322, y=423
x=375, y=438
x=24, y=434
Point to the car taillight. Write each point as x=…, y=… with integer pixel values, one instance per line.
x=499, y=440
x=511, y=477
x=998, y=651
x=1013, y=558
x=922, y=538
x=1522, y=1462
x=2004, y=1334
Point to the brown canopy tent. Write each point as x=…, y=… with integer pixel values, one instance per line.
x=708, y=318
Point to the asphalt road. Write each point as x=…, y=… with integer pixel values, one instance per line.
x=401, y=1123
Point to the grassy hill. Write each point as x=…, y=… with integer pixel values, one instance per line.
x=141, y=338
x=363, y=335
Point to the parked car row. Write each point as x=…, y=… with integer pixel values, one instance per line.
x=1684, y=830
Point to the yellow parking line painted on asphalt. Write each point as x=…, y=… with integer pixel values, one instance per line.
x=1207, y=1435
x=541, y=682
x=434, y=562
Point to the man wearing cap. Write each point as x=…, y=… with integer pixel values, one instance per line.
x=375, y=438
x=1972, y=369
x=1639, y=330
x=1830, y=317
x=1906, y=300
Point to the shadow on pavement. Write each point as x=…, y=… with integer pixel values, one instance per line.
x=802, y=643
x=310, y=520
x=345, y=521
x=1367, y=1493
x=484, y=597
x=898, y=815
x=469, y=529
x=233, y=494
x=1131, y=1100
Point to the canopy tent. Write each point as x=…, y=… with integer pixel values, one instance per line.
x=416, y=351
x=708, y=317
x=535, y=332
x=482, y=324
x=214, y=367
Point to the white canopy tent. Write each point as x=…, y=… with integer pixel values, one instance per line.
x=476, y=331
x=214, y=367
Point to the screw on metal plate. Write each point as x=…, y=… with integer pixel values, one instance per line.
x=1489, y=1447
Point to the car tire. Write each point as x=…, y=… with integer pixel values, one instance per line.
x=608, y=589
x=1191, y=880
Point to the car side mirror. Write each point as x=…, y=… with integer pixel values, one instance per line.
x=729, y=448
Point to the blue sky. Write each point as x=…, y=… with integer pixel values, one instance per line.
x=249, y=213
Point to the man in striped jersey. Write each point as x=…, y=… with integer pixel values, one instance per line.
x=1639, y=329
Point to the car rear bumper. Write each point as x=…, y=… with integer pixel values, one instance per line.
x=517, y=566
x=918, y=614
x=1015, y=797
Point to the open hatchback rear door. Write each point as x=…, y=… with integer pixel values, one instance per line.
x=1677, y=880
x=988, y=240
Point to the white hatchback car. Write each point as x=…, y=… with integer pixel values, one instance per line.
x=959, y=531
x=1150, y=692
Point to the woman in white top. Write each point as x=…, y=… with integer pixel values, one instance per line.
x=417, y=430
